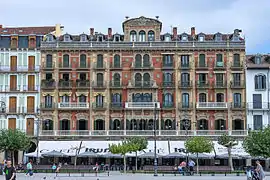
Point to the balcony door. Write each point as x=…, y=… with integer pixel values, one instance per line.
x=30, y=126
x=13, y=63
x=31, y=82
x=30, y=104
x=12, y=104
x=13, y=82
x=257, y=101
x=31, y=63
x=12, y=123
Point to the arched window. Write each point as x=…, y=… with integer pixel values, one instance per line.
x=185, y=82
x=202, y=97
x=99, y=100
x=202, y=124
x=116, y=61
x=65, y=124
x=167, y=79
x=258, y=60
x=146, y=79
x=116, y=80
x=237, y=100
x=116, y=98
x=138, y=61
x=66, y=60
x=142, y=36
x=82, y=61
x=146, y=60
x=133, y=36
x=260, y=82
x=82, y=98
x=138, y=79
x=137, y=97
x=168, y=124
x=185, y=100
x=168, y=100
x=220, y=124
x=151, y=36
x=99, y=61
x=220, y=97
x=99, y=124
x=146, y=97
x=49, y=62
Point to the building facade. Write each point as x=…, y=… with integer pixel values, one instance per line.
x=258, y=114
x=19, y=76
x=117, y=85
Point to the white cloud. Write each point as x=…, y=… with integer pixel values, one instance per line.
x=208, y=16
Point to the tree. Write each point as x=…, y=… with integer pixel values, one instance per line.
x=137, y=144
x=257, y=143
x=12, y=140
x=121, y=148
x=199, y=144
x=229, y=142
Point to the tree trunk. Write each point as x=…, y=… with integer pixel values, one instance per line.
x=125, y=164
x=13, y=158
x=75, y=158
x=230, y=158
x=197, y=163
x=136, y=163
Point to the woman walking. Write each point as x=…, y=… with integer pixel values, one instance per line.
x=259, y=170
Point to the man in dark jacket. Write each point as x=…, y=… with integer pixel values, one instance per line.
x=10, y=171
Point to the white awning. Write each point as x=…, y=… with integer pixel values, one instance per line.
x=101, y=147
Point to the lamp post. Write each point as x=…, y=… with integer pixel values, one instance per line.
x=37, y=126
x=155, y=141
x=186, y=126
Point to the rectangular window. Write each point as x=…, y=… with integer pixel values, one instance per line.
x=257, y=101
x=236, y=79
x=13, y=63
x=185, y=61
x=257, y=122
x=31, y=83
x=236, y=60
x=48, y=101
x=31, y=63
x=219, y=79
x=167, y=60
x=202, y=79
x=13, y=82
x=202, y=60
x=12, y=104
x=219, y=60
x=30, y=104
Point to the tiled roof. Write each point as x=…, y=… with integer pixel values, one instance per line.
x=27, y=30
x=265, y=61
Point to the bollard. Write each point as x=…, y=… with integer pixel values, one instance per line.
x=200, y=174
x=108, y=173
x=225, y=174
x=174, y=173
x=162, y=174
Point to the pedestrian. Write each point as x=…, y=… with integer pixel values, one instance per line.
x=29, y=168
x=10, y=171
x=259, y=170
x=191, y=165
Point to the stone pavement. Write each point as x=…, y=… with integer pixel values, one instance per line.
x=118, y=176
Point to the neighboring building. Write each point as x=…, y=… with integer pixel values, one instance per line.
x=107, y=85
x=257, y=74
x=19, y=76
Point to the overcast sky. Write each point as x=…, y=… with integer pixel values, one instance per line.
x=209, y=16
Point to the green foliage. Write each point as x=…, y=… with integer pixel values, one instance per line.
x=137, y=143
x=257, y=143
x=14, y=140
x=199, y=144
x=120, y=148
x=227, y=141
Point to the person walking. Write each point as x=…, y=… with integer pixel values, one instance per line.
x=259, y=170
x=29, y=168
x=10, y=171
x=191, y=165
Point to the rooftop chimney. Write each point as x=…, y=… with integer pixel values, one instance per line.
x=92, y=31
x=175, y=33
x=58, y=30
x=1, y=26
x=193, y=32
x=109, y=32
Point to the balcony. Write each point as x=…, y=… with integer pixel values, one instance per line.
x=142, y=67
x=169, y=66
x=47, y=106
x=99, y=66
x=116, y=105
x=83, y=84
x=185, y=106
x=220, y=66
x=185, y=84
x=184, y=66
x=83, y=66
x=30, y=88
x=142, y=84
x=142, y=105
x=99, y=106
x=48, y=66
x=167, y=105
x=116, y=84
x=99, y=84
x=48, y=84
x=19, y=68
x=202, y=84
x=65, y=84
x=238, y=84
x=115, y=66
x=66, y=66
x=71, y=105
x=220, y=84
x=202, y=67
x=168, y=84
x=258, y=106
x=238, y=106
x=142, y=133
x=237, y=67
x=15, y=110
x=212, y=105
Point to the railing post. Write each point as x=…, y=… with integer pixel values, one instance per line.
x=230, y=132
x=90, y=133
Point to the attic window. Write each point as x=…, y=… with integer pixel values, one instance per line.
x=258, y=60
x=49, y=38
x=20, y=30
x=83, y=38
x=201, y=38
x=66, y=38
x=167, y=38
x=184, y=37
x=218, y=37
x=235, y=38
x=100, y=38
x=117, y=38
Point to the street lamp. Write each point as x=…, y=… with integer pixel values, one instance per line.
x=186, y=124
x=155, y=141
x=38, y=126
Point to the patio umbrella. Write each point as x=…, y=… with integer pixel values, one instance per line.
x=88, y=154
x=149, y=155
x=33, y=154
x=201, y=156
x=54, y=154
x=225, y=156
x=175, y=155
x=111, y=155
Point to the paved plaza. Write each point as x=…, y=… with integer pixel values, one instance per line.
x=118, y=176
